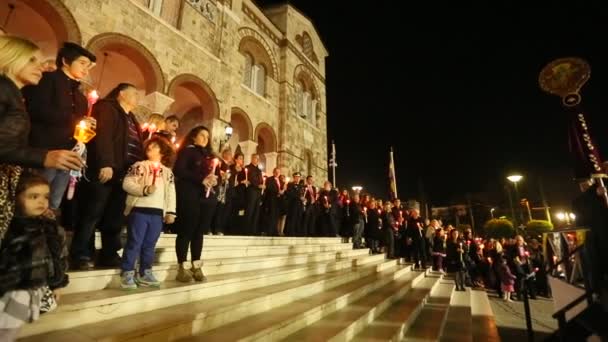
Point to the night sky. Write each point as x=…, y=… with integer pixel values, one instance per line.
x=454, y=90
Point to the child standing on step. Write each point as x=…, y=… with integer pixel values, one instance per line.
x=438, y=250
x=33, y=258
x=150, y=200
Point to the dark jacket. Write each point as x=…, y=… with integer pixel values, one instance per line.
x=55, y=106
x=193, y=165
x=15, y=129
x=33, y=254
x=109, y=147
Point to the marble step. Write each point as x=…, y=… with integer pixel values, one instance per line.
x=82, y=281
x=429, y=323
x=347, y=322
x=282, y=321
x=458, y=325
x=396, y=320
x=180, y=321
x=167, y=254
x=484, y=325
x=91, y=307
x=168, y=240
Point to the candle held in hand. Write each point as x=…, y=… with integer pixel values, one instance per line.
x=92, y=98
x=155, y=169
x=215, y=163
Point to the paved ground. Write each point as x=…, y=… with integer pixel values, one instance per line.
x=511, y=321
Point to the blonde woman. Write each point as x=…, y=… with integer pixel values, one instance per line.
x=21, y=64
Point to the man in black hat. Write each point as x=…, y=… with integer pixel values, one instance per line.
x=295, y=205
x=56, y=105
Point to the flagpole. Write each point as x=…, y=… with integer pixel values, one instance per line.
x=394, y=172
x=333, y=163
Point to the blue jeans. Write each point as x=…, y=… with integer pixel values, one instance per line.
x=58, y=180
x=142, y=234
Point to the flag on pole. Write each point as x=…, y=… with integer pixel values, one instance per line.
x=392, y=179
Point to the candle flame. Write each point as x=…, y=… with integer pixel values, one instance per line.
x=173, y=140
x=82, y=124
x=93, y=95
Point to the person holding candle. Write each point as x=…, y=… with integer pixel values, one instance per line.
x=237, y=192
x=117, y=146
x=388, y=226
x=150, y=202
x=224, y=200
x=311, y=211
x=293, y=196
x=283, y=182
x=56, y=105
x=415, y=234
x=193, y=172
x=454, y=259
x=357, y=217
x=253, y=195
x=328, y=209
x=372, y=226
x=21, y=65
x=271, y=204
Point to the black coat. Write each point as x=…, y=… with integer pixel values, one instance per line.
x=109, y=147
x=15, y=129
x=55, y=105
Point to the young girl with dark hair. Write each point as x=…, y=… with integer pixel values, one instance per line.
x=196, y=180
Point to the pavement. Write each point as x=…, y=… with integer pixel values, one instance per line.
x=511, y=320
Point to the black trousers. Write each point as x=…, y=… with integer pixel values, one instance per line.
x=103, y=206
x=221, y=217
x=252, y=210
x=294, y=218
x=270, y=216
x=194, y=217
x=308, y=225
x=419, y=252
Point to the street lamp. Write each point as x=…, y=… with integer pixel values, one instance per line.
x=492, y=212
x=357, y=188
x=227, y=136
x=566, y=217
x=515, y=178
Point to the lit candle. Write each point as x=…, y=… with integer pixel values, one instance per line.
x=155, y=169
x=263, y=183
x=246, y=174
x=92, y=98
x=347, y=207
x=379, y=212
x=215, y=163
x=365, y=213
x=151, y=130
x=82, y=126
x=144, y=127
x=173, y=140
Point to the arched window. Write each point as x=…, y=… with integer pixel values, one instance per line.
x=247, y=71
x=306, y=102
x=254, y=75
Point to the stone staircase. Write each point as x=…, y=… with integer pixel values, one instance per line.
x=269, y=288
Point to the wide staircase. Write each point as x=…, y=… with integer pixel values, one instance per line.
x=270, y=288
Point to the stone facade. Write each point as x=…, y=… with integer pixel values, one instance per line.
x=188, y=57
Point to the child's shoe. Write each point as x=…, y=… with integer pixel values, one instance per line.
x=127, y=280
x=147, y=280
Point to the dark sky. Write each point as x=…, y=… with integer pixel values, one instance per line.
x=455, y=91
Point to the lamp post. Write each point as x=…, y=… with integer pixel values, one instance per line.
x=357, y=189
x=227, y=136
x=492, y=212
x=566, y=217
x=515, y=179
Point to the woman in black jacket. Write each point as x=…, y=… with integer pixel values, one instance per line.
x=21, y=65
x=196, y=188
x=454, y=259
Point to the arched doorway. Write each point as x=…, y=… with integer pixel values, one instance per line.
x=195, y=103
x=266, y=146
x=242, y=129
x=48, y=23
x=122, y=59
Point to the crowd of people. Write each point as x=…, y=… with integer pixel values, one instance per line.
x=185, y=187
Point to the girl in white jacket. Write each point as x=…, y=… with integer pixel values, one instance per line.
x=150, y=202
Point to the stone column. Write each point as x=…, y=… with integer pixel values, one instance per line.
x=271, y=162
x=157, y=102
x=248, y=147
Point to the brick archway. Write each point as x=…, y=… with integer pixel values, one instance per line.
x=123, y=59
x=48, y=23
x=241, y=123
x=195, y=102
x=266, y=134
